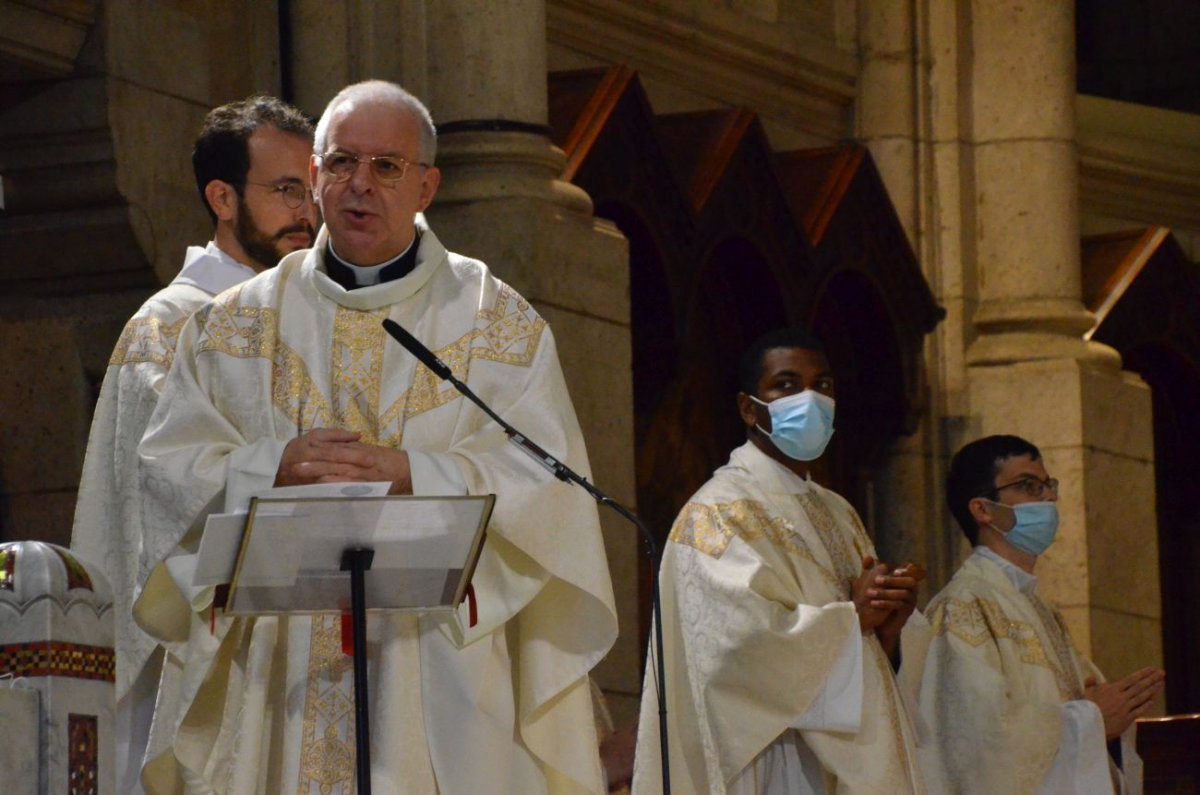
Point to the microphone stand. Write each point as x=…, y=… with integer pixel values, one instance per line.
x=567, y=475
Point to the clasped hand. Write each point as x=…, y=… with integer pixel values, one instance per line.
x=885, y=598
x=332, y=455
x=1124, y=701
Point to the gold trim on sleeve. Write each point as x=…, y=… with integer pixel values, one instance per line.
x=147, y=339
x=976, y=621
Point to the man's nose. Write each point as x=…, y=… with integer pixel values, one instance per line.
x=362, y=179
x=307, y=209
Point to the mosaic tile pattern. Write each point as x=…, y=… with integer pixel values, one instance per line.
x=56, y=658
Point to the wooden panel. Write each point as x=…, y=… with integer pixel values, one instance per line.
x=1170, y=749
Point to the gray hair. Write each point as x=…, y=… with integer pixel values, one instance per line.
x=384, y=93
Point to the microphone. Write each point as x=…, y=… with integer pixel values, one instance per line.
x=414, y=346
x=566, y=474
x=442, y=371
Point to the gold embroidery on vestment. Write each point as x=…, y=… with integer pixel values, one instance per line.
x=977, y=621
x=327, y=740
x=508, y=332
x=245, y=332
x=847, y=562
x=710, y=528
x=1056, y=631
x=893, y=700
x=357, y=370
x=295, y=393
x=147, y=339
x=513, y=330
x=429, y=392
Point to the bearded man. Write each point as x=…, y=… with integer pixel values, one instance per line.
x=289, y=380
x=251, y=166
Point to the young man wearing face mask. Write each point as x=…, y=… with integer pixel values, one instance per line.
x=783, y=635
x=1013, y=706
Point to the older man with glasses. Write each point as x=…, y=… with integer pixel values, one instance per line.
x=1013, y=706
x=292, y=380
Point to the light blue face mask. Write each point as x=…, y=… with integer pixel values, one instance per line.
x=801, y=424
x=1035, y=524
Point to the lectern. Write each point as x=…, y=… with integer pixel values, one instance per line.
x=339, y=554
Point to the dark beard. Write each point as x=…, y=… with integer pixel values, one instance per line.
x=263, y=248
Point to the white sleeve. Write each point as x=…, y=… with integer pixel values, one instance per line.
x=435, y=474
x=1081, y=765
x=251, y=470
x=838, y=707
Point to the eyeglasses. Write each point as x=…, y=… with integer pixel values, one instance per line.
x=1030, y=487
x=293, y=194
x=388, y=169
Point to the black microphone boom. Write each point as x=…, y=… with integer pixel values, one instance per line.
x=414, y=346
x=564, y=473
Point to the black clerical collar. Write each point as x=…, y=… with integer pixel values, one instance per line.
x=342, y=272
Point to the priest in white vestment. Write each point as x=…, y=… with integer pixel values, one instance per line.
x=1014, y=708
x=251, y=167
x=290, y=379
x=783, y=634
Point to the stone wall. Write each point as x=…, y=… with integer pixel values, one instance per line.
x=100, y=205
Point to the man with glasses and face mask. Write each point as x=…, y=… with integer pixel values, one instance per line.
x=787, y=644
x=1013, y=706
x=292, y=380
x=251, y=167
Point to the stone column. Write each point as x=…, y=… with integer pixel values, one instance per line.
x=1027, y=173
x=896, y=94
x=501, y=200
x=1030, y=370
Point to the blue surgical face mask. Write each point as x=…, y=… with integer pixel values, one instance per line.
x=801, y=424
x=1034, y=526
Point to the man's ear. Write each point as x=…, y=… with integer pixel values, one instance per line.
x=429, y=185
x=222, y=199
x=979, y=511
x=746, y=410
x=985, y=513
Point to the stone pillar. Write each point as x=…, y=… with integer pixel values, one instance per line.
x=501, y=200
x=1027, y=173
x=893, y=122
x=1030, y=369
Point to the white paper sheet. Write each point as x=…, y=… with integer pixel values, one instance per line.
x=217, y=556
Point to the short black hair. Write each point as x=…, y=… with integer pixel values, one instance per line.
x=750, y=368
x=973, y=473
x=222, y=150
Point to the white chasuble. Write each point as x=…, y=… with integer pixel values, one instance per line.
x=108, y=518
x=771, y=686
x=1003, y=693
x=266, y=705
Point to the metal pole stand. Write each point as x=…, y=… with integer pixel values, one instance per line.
x=357, y=562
